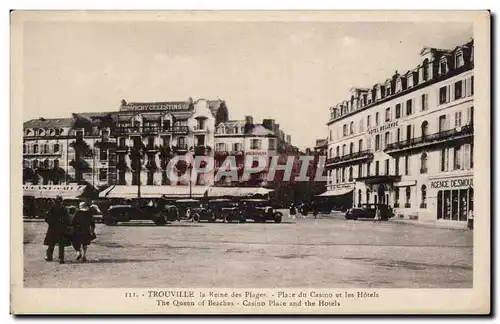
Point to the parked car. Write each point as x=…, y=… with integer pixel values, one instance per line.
x=127, y=213
x=368, y=211
x=186, y=206
x=169, y=212
x=224, y=209
x=259, y=210
x=203, y=213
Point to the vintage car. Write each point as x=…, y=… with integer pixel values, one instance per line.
x=368, y=211
x=203, y=213
x=224, y=209
x=259, y=210
x=185, y=207
x=127, y=213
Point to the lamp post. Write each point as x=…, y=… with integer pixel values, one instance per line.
x=137, y=154
x=190, y=166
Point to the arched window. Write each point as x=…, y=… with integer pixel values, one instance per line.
x=45, y=148
x=330, y=154
x=351, y=148
x=343, y=174
x=423, y=163
x=425, y=74
x=338, y=151
x=35, y=164
x=351, y=128
x=425, y=128
x=423, y=191
x=343, y=149
x=56, y=148
x=35, y=148
x=56, y=164
x=350, y=174
x=46, y=164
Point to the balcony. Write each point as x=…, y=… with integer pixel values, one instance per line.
x=229, y=153
x=152, y=148
x=180, y=130
x=349, y=158
x=150, y=130
x=105, y=144
x=180, y=149
x=122, y=149
x=431, y=139
x=200, y=130
x=49, y=153
x=201, y=150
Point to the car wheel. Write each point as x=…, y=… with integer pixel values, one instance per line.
x=110, y=222
x=196, y=218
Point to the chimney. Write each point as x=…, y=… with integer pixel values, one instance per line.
x=269, y=124
x=124, y=103
x=248, y=120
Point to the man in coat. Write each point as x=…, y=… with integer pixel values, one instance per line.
x=58, y=232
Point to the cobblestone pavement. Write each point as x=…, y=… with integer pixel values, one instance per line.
x=325, y=252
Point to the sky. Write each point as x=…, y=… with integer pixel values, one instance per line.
x=289, y=71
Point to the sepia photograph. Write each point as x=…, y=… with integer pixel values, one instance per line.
x=250, y=162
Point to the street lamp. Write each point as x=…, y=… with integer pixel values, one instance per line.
x=136, y=155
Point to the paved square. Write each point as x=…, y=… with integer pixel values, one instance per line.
x=325, y=252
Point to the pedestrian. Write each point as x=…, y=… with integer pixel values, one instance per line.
x=377, y=215
x=470, y=219
x=59, y=230
x=83, y=226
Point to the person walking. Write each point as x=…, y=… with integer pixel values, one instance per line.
x=378, y=217
x=83, y=226
x=58, y=232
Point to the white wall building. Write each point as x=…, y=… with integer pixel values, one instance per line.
x=408, y=142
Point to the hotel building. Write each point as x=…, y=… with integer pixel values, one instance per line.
x=408, y=142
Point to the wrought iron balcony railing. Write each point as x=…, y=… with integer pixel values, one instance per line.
x=361, y=155
x=226, y=153
x=180, y=129
x=431, y=139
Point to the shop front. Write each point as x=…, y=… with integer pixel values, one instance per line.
x=454, y=197
x=339, y=197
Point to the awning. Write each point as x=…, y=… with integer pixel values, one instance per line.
x=130, y=192
x=336, y=192
x=52, y=191
x=237, y=191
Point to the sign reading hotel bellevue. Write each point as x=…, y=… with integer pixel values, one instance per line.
x=452, y=183
x=383, y=127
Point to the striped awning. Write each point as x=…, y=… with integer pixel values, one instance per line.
x=237, y=191
x=131, y=192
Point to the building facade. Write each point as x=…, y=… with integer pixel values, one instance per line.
x=408, y=142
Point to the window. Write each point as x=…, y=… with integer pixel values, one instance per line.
x=35, y=164
x=423, y=191
x=330, y=153
x=35, y=148
x=343, y=174
x=472, y=85
x=103, y=174
x=220, y=147
x=457, y=162
x=150, y=178
x=407, y=165
x=360, y=170
x=398, y=135
x=331, y=137
x=442, y=123
x=344, y=129
x=396, y=165
x=408, y=133
x=471, y=156
x=387, y=167
x=398, y=111
x=425, y=101
x=409, y=108
x=459, y=59
x=351, y=148
x=377, y=168
x=361, y=125
x=360, y=145
x=443, y=67
x=408, y=197
x=387, y=138
x=444, y=160
x=103, y=155
x=470, y=116
x=458, y=119
x=377, y=142
x=368, y=121
x=24, y=148
x=398, y=86
x=443, y=95
x=338, y=151
x=423, y=163
x=343, y=149
x=368, y=169
x=425, y=70
x=272, y=143
x=56, y=148
x=376, y=118
x=424, y=128
x=367, y=196
x=387, y=114
x=255, y=144
x=396, y=197
x=458, y=90
x=181, y=142
x=56, y=164
x=351, y=176
x=467, y=156
x=351, y=128
x=360, y=195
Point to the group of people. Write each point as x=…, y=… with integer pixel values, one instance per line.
x=67, y=228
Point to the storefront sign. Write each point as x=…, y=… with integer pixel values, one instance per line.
x=452, y=183
x=153, y=107
x=383, y=127
x=52, y=188
x=257, y=153
x=341, y=186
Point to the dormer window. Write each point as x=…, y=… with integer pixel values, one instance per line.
x=236, y=130
x=443, y=66
x=459, y=59
x=425, y=70
x=388, y=92
x=40, y=132
x=399, y=86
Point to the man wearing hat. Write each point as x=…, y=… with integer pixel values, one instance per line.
x=59, y=229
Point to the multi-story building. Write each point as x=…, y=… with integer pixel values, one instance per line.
x=243, y=138
x=63, y=151
x=149, y=134
x=408, y=142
